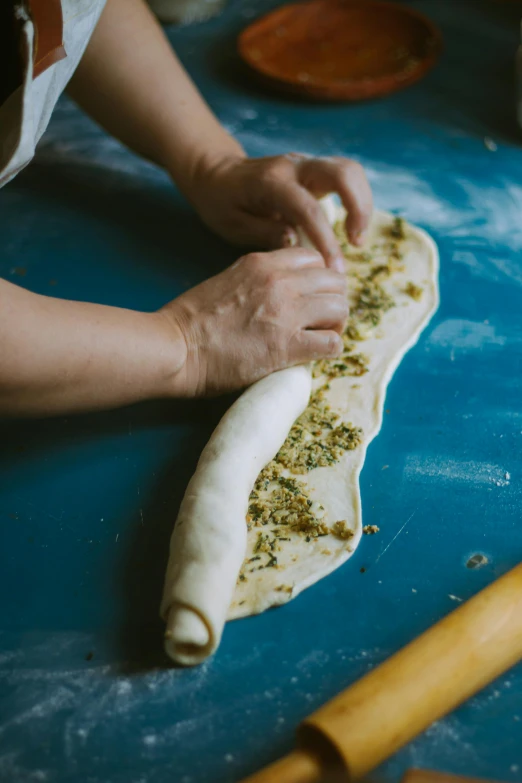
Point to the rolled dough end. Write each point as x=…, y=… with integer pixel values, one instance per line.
x=187, y=638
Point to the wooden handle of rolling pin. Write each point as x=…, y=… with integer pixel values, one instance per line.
x=429, y=776
x=425, y=680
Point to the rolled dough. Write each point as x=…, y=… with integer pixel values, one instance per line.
x=304, y=514
x=209, y=538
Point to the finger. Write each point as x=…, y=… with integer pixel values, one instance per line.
x=324, y=311
x=299, y=206
x=348, y=179
x=309, y=345
x=321, y=281
x=356, y=196
x=296, y=259
x=265, y=233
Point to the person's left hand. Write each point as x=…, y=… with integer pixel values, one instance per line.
x=261, y=201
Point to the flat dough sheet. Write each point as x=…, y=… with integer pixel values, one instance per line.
x=301, y=559
x=208, y=573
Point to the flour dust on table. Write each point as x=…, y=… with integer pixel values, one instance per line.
x=288, y=461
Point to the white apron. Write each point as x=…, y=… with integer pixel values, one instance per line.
x=26, y=113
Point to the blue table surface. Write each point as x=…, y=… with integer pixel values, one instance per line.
x=87, y=504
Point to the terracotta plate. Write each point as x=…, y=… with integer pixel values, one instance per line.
x=341, y=49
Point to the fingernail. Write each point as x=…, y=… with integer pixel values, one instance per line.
x=289, y=238
x=338, y=265
x=337, y=347
x=359, y=239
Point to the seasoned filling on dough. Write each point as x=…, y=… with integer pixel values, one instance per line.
x=348, y=364
x=279, y=503
x=317, y=439
x=398, y=228
x=341, y=529
x=415, y=291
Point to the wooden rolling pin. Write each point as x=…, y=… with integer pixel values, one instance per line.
x=368, y=722
x=428, y=776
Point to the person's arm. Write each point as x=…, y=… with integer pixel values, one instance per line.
x=58, y=356
x=131, y=82
x=266, y=312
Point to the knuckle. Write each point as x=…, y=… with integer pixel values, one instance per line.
x=254, y=259
x=352, y=167
x=273, y=280
x=272, y=170
x=282, y=164
x=267, y=178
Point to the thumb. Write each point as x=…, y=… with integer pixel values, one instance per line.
x=312, y=344
x=269, y=234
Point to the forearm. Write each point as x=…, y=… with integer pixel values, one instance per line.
x=58, y=356
x=131, y=82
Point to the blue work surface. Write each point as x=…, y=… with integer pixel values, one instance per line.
x=87, y=504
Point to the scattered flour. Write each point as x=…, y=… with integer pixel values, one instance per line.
x=464, y=335
x=451, y=470
x=12, y=770
x=313, y=659
x=248, y=114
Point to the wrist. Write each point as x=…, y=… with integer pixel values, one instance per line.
x=172, y=355
x=193, y=173
x=181, y=376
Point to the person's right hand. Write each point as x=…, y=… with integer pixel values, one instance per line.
x=266, y=312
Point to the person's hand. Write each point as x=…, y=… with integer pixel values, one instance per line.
x=266, y=312
x=262, y=201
